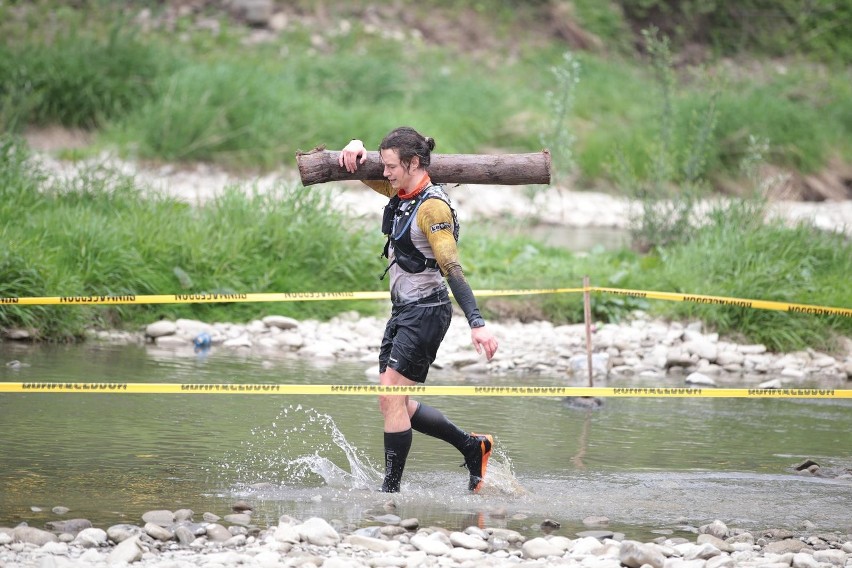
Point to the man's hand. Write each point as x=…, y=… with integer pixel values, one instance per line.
x=483, y=341
x=349, y=156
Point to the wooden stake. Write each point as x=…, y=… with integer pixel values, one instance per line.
x=587, y=316
x=320, y=166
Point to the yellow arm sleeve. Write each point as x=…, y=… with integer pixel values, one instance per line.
x=382, y=186
x=436, y=221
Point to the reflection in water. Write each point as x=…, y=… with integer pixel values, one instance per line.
x=583, y=442
x=644, y=463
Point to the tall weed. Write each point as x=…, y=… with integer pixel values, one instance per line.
x=741, y=254
x=675, y=178
x=102, y=234
x=76, y=80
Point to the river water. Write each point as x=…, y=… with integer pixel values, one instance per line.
x=652, y=466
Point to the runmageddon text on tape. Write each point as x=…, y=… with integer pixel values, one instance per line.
x=281, y=389
x=213, y=297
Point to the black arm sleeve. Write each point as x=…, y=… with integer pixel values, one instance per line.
x=464, y=296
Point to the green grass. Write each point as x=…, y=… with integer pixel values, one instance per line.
x=209, y=97
x=741, y=255
x=103, y=234
x=190, y=95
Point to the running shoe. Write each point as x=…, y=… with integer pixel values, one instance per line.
x=476, y=459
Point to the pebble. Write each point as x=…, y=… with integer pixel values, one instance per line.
x=640, y=349
x=315, y=542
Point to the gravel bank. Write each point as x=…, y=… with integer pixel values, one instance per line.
x=166, y=539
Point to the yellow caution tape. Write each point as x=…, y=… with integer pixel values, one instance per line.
x=260, y=388
x=724, y=301
x=215, y=297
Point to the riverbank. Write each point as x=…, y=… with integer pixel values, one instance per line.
x=167, y=539
x=643, y=349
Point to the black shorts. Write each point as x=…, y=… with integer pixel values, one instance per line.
x=412, y=337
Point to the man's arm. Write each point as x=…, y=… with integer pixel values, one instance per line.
x=436, y=221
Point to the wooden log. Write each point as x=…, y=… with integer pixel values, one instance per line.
x=320, y=166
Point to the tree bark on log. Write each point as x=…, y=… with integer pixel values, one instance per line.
x=320, y=166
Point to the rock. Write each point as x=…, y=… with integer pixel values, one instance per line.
x=120, y=533
x=55, y=548
x=715, y=541
x=255, y=12
x=17, y=334
x=184, y=535
x=677, y=357
x=281, y=322
x=91, y=538
x=59, y=510
x=388, y=519
x=235, y=541
x=317, y=531
x=720, y=562
x=699, y=379
x=288, y=532
x=238, y=519
x=541, y=548
x=579, y=365
x=218, y=533
x=466, y=556
x=72, y=526
x=410, y=524
x=784, y=546
x=157, y=532
x=831, y=556
x=597, y=534
x=751, y=349
x=241, y=341
x=728, y=357
x=126, y=552
x=160, y=329
x=431, y=545
x=468, y=541
x=161, y=517
x=550, y=524
x=717, y=528
x=587, y=546
x=804, y=560
x=182, y=515
x=703, y=349
x=373, y=544
x=635, y=554
x=702, y=552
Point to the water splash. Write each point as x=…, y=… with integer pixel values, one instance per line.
x=301, y=447
x=500, y=477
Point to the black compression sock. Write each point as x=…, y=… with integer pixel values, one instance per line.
x=431, y=421
x=397, y=445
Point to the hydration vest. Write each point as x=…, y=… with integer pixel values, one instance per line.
x=396, y=224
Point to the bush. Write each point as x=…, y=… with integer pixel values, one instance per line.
x=78, y=81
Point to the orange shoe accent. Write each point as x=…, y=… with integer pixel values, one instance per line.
x=485, y=446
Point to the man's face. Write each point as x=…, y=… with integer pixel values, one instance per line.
x=397, y=174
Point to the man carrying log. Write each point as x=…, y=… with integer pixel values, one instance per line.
x=422, y=230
